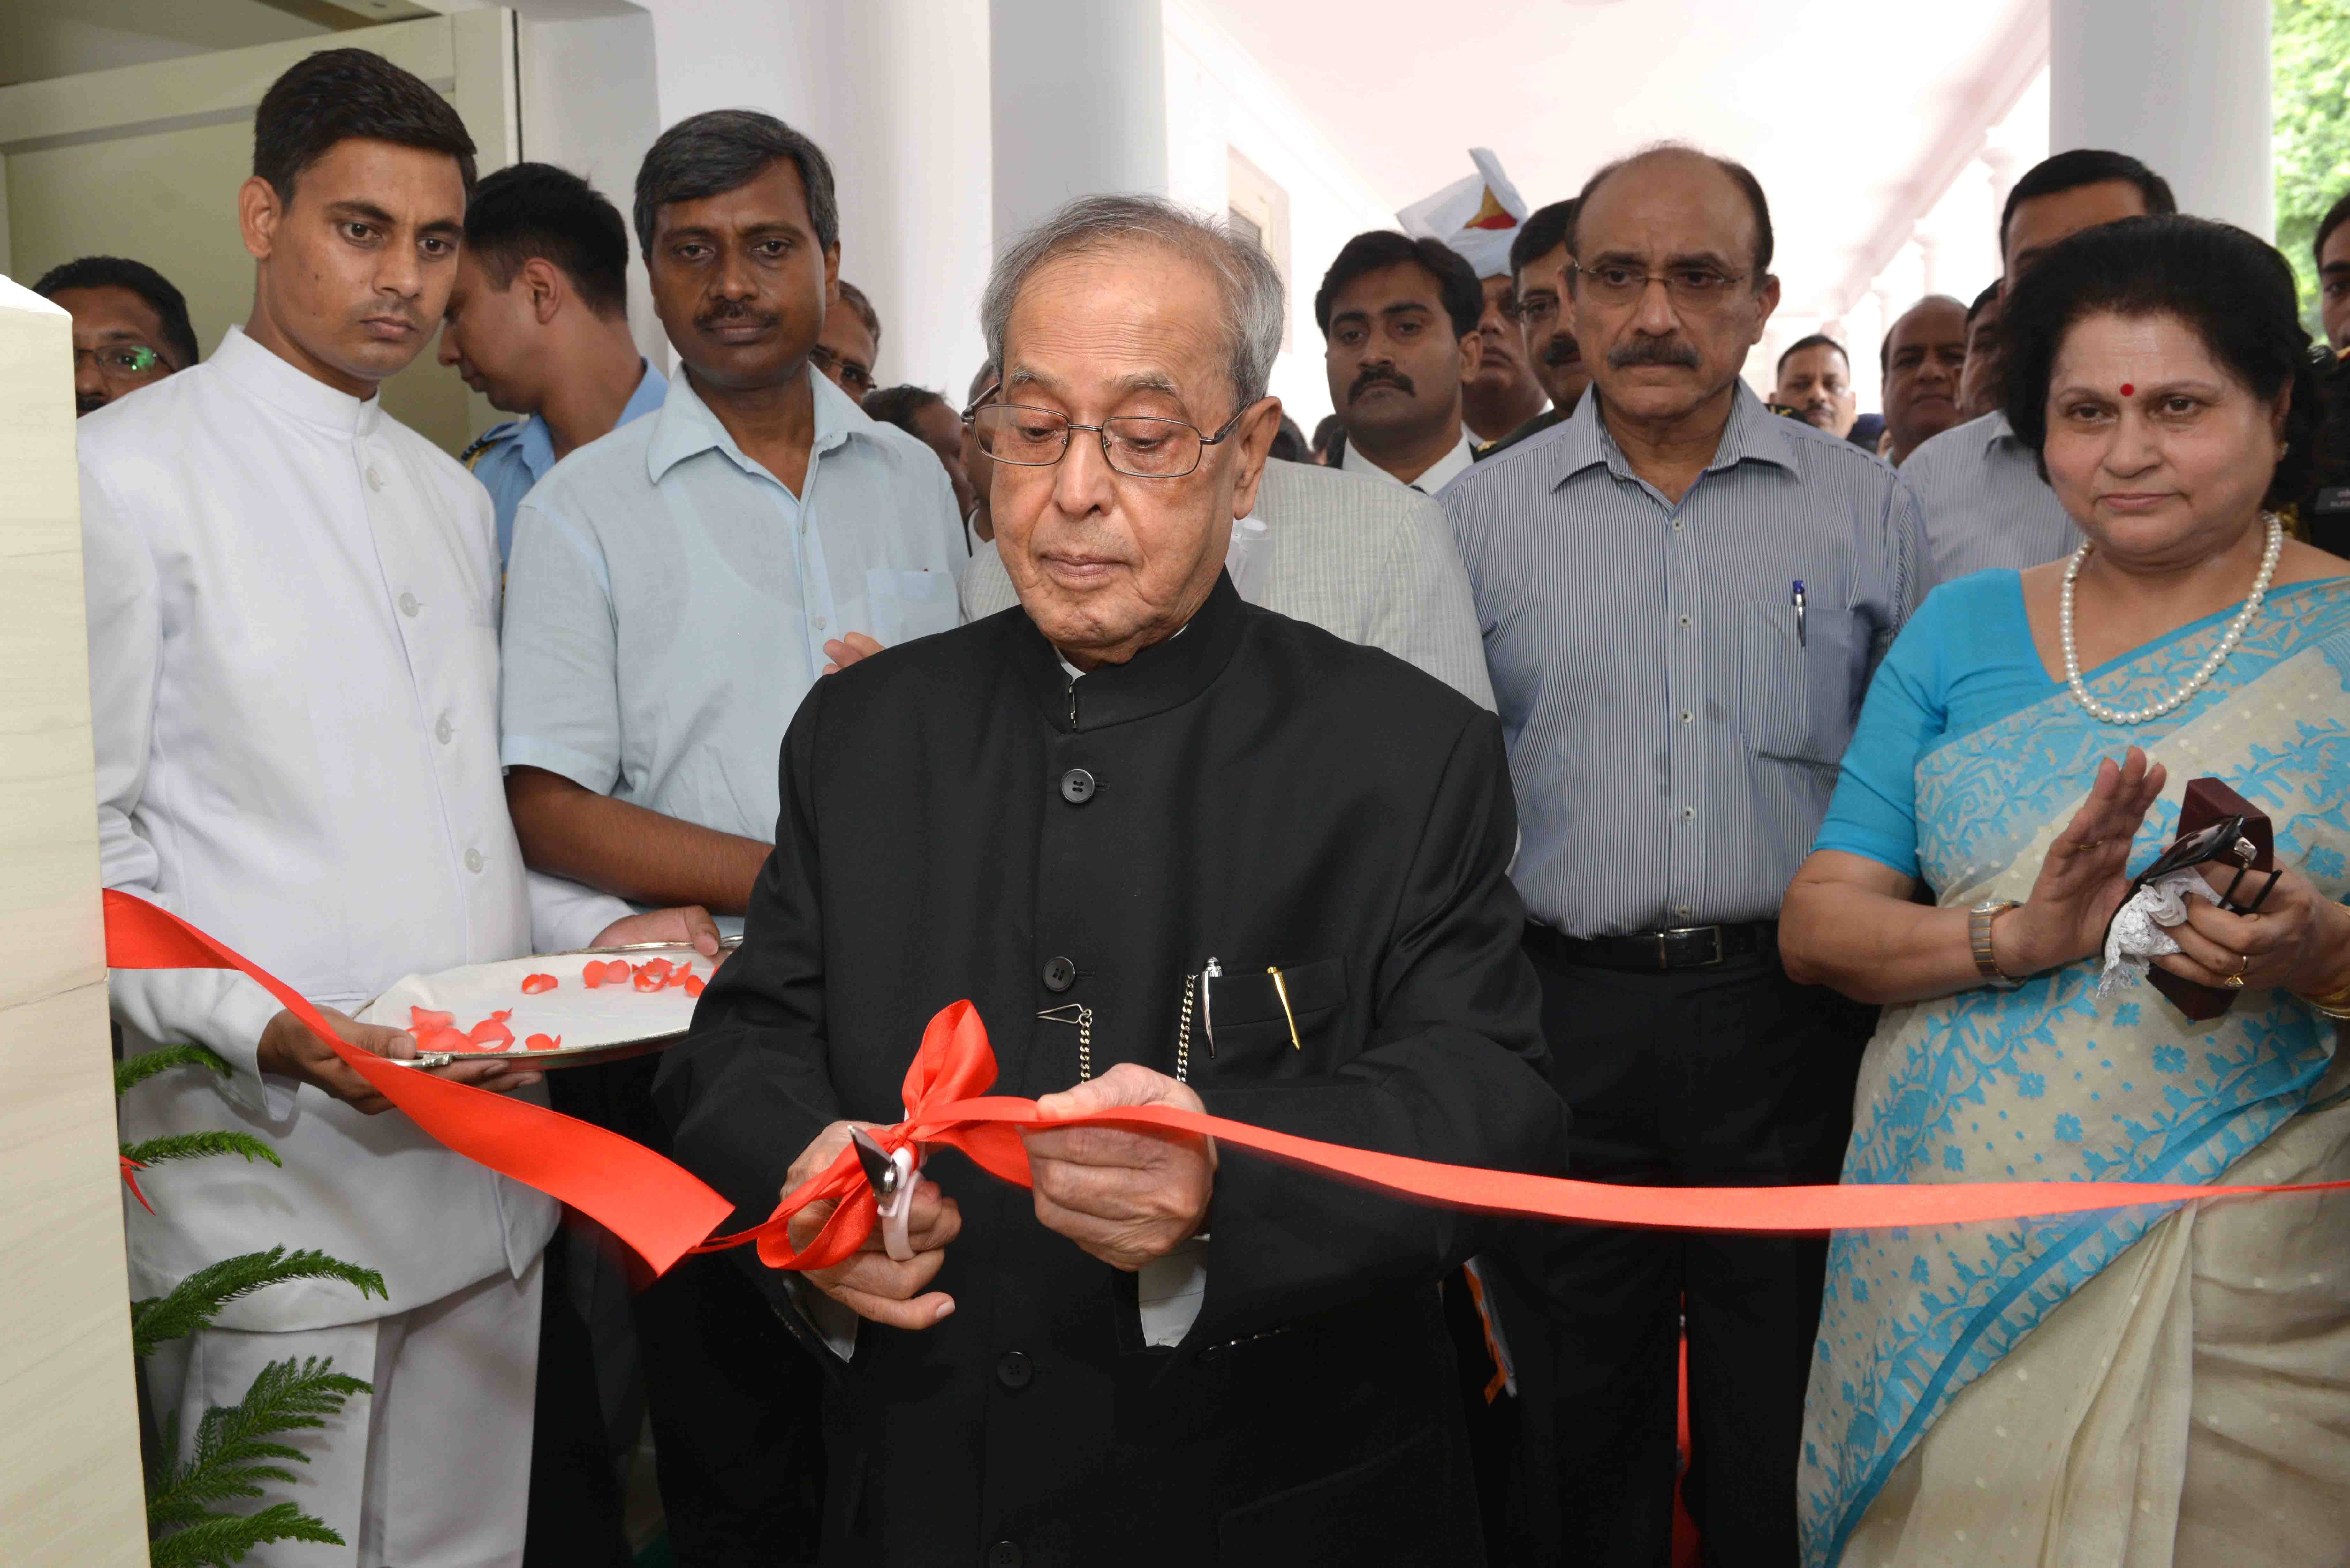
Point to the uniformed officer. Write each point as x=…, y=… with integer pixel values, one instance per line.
x=538, y=323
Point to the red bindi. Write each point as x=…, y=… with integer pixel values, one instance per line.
x=2127, y=389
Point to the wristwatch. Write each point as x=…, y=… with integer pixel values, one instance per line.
x=1979, y=919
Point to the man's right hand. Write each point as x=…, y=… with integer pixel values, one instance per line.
x=289, y=1049
x=871, y=1283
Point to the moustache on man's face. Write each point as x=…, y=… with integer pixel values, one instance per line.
x=733, y=315
x=1561, y=350
x=1376, y=377
x=1653, y=351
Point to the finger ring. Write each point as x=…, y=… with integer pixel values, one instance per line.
x=2234, y=982
x=2243, y=962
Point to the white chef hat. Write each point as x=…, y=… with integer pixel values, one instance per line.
x=1477, y=216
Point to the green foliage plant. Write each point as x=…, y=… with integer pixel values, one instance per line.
x=2310, y=65
x=239, y=1448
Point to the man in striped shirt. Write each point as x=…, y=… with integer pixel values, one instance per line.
x=1979, y=488
x=1681, y=598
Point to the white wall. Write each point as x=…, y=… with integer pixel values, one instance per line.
x=1219, y=97
x=590, y=104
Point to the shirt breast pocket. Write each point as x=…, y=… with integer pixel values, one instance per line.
x=1798, y=691
x=1253, y=1039
x=908, y=605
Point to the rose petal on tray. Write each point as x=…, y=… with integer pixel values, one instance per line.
x=443, y=1039
x=593, y=975
x=491, y=1033
x=425, y=1018
x=542, y=1042
x=532, y=984
x=693, y=985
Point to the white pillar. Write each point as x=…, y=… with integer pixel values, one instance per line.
x=2182, y=84
x=1929, y=246
x=1997, y=162
x=1078, y=94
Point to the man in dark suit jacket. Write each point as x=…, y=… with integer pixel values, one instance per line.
x=1175, y=850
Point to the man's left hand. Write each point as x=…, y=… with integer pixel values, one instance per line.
x=1128, y=1198
x=847, y=651
x=689, y=924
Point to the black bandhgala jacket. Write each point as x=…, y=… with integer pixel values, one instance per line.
x=1259, y=792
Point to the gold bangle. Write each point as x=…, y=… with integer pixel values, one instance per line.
x=2333, y=1003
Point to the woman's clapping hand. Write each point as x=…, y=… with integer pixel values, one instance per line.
x=2084, y=875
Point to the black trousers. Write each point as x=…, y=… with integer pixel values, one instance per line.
x=1727, y=1075
x=735, y=1404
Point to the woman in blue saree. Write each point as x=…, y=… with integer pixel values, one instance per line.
x=2144, y=1386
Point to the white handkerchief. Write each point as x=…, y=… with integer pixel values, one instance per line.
x=1170, y=1289
x=2139, y=934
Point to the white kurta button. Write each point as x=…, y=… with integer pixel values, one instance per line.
x=443, y=729
x=374, y=477
x=472, y=860
x=408, y=605
x=819, y=623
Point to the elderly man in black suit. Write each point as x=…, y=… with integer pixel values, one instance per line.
x=1177, y=850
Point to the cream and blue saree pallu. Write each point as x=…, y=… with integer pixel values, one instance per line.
x=2145, y=1386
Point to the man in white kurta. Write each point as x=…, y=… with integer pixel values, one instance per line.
x=293, y=620
x=293, y=623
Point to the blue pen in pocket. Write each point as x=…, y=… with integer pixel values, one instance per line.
x=1797, y=600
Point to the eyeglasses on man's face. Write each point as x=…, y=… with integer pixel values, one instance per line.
x=1134, y=445
x=1537, y=312
x=122, y=361
x=1690, y=287
x=850, y=377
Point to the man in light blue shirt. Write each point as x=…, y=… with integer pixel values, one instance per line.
x=674, y=585
x=538, y=321
x=675, y=589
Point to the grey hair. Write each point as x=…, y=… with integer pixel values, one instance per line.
x=725, y=150
x=1245, y=277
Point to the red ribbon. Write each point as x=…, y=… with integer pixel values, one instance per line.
x=955, y=1060
x=662, y=1210
x=657, y=1207
x=131, y=1169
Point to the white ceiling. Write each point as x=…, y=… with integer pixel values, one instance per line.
x=1843, y=109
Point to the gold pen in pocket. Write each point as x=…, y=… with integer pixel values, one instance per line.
x=1281, y=989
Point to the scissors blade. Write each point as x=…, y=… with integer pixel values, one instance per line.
x=880, y=1172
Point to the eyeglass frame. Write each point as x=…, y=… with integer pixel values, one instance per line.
x=97, y=355
x=1707, y=297
x=828, y=360
x=1101, y=433
x=1519, y=311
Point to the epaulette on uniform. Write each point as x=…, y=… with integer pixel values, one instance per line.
x=487, y=439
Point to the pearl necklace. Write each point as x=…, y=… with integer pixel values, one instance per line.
x=2209, y=667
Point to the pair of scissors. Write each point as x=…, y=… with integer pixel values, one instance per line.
x=891, y=1177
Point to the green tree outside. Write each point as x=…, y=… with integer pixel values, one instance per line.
x=2312, y=98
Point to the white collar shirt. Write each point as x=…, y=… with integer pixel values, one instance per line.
x=668, y=599
x=1441, y=472
x=293, y=626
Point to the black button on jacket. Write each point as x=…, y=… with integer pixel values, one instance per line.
x=1282, y=798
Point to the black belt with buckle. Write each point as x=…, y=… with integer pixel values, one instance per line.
x=1682, y=947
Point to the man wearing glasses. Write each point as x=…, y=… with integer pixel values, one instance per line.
x=129, y=325
x=1538, y=261
x=1175, y=850
x=1682, y=598
x=676, y=589
x=848, y=345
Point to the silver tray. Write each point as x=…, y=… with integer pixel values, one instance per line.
x=570, y=1055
